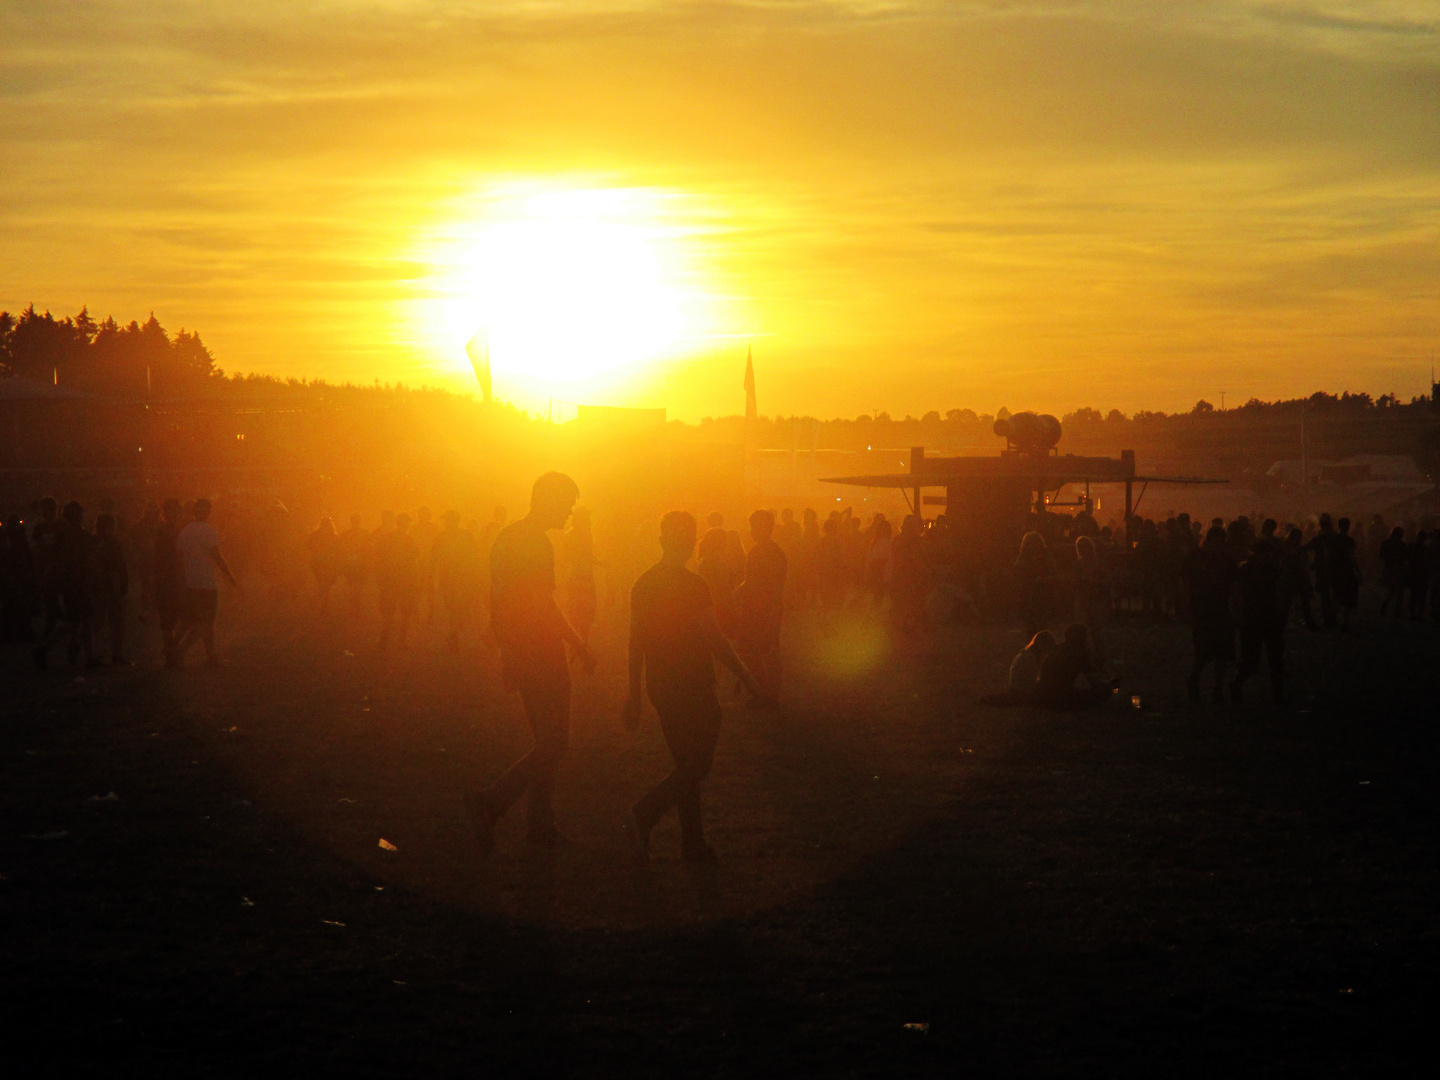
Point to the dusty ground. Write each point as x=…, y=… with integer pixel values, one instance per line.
x=1178, y=890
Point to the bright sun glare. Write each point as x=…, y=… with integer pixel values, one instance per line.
x=567, y=285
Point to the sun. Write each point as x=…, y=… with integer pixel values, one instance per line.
x=568, y=285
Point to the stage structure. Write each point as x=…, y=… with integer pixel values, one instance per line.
x=1003, y=491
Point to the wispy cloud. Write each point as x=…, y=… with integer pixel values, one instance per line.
x=975, y=185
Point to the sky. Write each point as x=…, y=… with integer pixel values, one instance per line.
x=897, y=206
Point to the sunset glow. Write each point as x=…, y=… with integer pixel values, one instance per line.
x=571, y=284
x=912, y=205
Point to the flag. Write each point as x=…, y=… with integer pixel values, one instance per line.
x=478, y=349
x=749, y=385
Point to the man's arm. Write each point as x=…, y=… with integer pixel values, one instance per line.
x=224, y=567
x=568, y=633
x=721, y=648
x=633, y=703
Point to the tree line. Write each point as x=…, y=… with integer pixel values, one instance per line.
x=104, y=358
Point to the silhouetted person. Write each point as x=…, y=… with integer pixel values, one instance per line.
x=760, y=598
x=1345, y=573
x=1090, y=595
x=909, y=575
x=198, y=547
x=1209, y=575
x=1295, y=583
x=1321, y=548
x=397, y=578
x=807, y=581
x=142, y=554
x=1024, y=674
x=532, y=634
x=1034, y=583
x=581, y=601
x=109, y=585
x=1393, y=556
x=1263, y=614
x=324, y=548
x=169, y=578
x=70, y=580
x=22, y=592
x=353, y=548
x=830, y=565
x=1067, y=675
x=44, y=537
x=878, y=562
x=673, y=638
x=1417, y=573
x=424, y=531
x=455, y=561
x=714, y=569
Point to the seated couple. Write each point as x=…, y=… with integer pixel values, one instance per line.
x=1055, y=676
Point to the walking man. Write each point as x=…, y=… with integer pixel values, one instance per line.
x=532, y=634
x=673, y=636
x=198, y=548
x=761, y=599
x=1263, y=612
x=1209, y=574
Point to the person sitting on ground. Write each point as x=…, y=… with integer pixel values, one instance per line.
x=1024, y=672
x=1067, y=677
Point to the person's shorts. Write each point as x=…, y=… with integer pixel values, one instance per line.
x=1214, y=640
x=691, y=726
x=76, y=605
x=201, y=605
x=1347, y=593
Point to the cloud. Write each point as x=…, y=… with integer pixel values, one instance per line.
x=974, y=185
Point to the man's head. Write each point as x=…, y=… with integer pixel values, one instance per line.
x=74, y=513
x=202, y=509
x=402, y=522
x=48, y=508
x=452, y=520
x=1042, y=644
x=1343, y=525
x=1076, y=634
x=1215, y=538
x=172, y=510
x=552, y=498
x=762, y=526
x=677, y=534
x=1268, y=529
x=1325, y=523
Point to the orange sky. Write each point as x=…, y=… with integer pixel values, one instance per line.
x=903, y=206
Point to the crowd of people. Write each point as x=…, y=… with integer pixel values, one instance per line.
x=65, y=580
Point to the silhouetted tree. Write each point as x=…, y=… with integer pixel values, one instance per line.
x=105, y=358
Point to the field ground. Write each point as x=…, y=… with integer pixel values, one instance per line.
x=1173, y=890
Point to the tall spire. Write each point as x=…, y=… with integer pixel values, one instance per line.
x=750, y=411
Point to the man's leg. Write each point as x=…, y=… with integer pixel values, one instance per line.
x=546, y=695
x=691, y=732
x=1275, y=657
x=1251, y=642
x=548, y=704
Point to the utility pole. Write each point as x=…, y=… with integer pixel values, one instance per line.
x=1222, y=400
